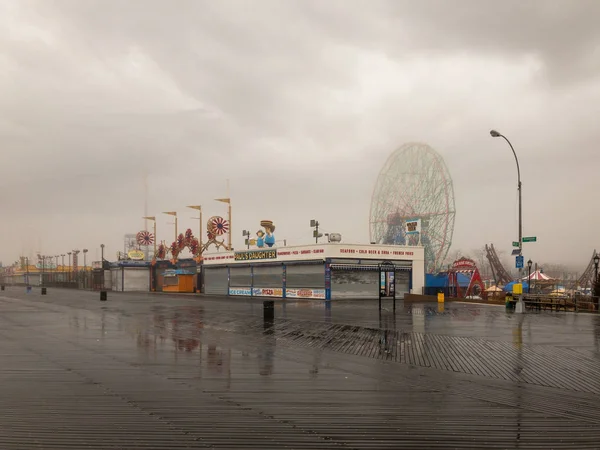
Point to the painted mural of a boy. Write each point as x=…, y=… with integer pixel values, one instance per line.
x=269, y=229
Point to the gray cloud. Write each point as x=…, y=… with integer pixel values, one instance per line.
x=298, y=104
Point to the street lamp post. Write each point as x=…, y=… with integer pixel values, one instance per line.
x=69, y=253
x=494, y=133
x=41, y=260
x=56, y=268
x=85, y=274
x=529, y=264
x=246, y=234
x=315, y=224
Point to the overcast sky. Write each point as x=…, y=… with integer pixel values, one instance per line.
x=298, y=104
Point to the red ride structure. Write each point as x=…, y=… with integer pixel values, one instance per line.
x=466, y=267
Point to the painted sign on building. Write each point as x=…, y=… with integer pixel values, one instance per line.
x=240, y=291
x=136, y=255
x=413, y=226
x=317, y=252
x=254, y=255
x=305, y=293
x=267, y=292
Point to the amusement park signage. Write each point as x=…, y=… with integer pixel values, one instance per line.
x=267, y=292
x=413, y=226
x=136, y=255
x=253, y=255
x=317, y=252
x=240, y=291
x=305, y=293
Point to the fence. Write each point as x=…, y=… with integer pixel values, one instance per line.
x=74, y=280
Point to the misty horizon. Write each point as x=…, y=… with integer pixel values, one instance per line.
x=114, y=111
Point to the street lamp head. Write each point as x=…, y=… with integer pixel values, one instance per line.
x=85, y=250
x=529, y=264
x=102, y=245
x=596, y=259
x=494, y=133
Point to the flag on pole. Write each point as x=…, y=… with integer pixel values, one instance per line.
x=199, y=208
x=149, y=218
x=224, y=200
x=171, y=213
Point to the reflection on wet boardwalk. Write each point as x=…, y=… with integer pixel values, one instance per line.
x=153, y=371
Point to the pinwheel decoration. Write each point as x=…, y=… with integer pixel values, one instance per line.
x=220, y=226
x=145, y=238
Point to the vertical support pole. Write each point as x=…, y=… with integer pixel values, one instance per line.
x=230, y=225
x=328, y=279
x=155, y=238
x=251, y=281
x=200, y=229
x=394, y=297
x=228, y=279
x=284, y=277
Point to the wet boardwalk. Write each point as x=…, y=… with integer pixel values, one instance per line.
x=162, y=372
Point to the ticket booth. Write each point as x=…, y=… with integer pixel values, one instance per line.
x=178, y=280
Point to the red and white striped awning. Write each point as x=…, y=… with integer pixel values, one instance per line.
x=537, y=276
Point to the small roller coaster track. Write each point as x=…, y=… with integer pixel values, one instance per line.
x=587, y=278
x=501, y=275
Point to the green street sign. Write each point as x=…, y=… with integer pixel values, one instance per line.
x=530, y=239
x=515, y=244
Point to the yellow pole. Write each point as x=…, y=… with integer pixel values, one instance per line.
x=230, y=227
x=154, y=256
x=176, y=228
x=200, y=237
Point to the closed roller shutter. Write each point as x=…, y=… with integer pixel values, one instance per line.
x=240, y=276
x=361, y=281
x=346, y=284
x=136, y=279
x=305, y=276
x=216, y=280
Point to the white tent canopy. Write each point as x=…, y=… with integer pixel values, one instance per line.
x=537, y=276
x=493, y=289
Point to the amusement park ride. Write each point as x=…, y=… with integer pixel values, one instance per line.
x=467, y=267
x=413, y=203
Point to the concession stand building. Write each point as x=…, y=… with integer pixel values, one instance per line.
x=319, y=271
